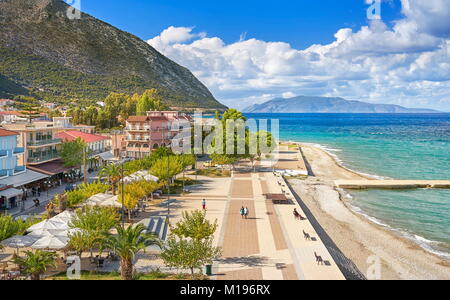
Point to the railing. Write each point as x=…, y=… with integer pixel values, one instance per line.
x=3, y=153
x=44, y=142
x=19, y=150
x=139, y=139
x=19, y=169
x=42, y=158
x=135, y=128
x=3, y=173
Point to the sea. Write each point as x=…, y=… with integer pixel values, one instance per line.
x=391, y=146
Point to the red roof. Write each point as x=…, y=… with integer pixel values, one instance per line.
x=10, y=112
x=86, y=137
x=4, y=132
x=158, y=118
x=137, y=119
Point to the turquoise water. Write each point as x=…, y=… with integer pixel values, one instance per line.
x=410, y=146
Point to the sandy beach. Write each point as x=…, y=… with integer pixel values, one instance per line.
x=360, y=240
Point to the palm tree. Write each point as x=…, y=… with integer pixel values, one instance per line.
x=126, y=244
x=36, y=263
x=113, y=173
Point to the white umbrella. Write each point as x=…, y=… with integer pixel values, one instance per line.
x=51, y=242
x=51, y=232
x=97, y=199
x=49, y=224
x=65, y=216
x=19, y=241
x=112, y=202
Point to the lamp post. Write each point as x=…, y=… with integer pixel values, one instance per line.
x=168, y=186
x=123, y=194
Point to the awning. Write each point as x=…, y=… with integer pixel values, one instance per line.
x=107, y=156
x=50, y=168
x=276, y=197
x=11, y=192
x=22, y=179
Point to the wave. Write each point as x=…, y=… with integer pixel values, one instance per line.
x=424, y=243
x=428, y=245
x=341, y=163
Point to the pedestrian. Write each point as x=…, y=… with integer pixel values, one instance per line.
x=246, y=212
x=242, y=212
x=204, y=204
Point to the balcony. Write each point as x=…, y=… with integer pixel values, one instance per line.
x=136, y=128
x=37, y=159
x=44, y=142
x=137, y=139
x=19, y=169
x=3, y=153
x=19, y=150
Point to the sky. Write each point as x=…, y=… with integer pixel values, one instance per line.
x=250, y=51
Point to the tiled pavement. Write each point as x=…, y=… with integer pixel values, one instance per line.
x=268, y=245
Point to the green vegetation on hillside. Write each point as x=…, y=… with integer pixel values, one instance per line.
x=52, y=82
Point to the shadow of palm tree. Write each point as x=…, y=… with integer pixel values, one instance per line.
x=248, y=261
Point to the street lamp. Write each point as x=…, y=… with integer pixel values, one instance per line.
x=168, y=186
x=123, y=194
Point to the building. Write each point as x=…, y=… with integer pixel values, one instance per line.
x=6, y=102
x=42, y=145
x=11, y=117
x=13, y=171
x=154, y=130
x=49, y=105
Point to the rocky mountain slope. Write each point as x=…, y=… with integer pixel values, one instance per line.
x=85, y=59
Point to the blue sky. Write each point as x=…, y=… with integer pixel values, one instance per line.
x=300, y=22
x=250, y=51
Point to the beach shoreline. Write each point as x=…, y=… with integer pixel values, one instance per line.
x=360, y=239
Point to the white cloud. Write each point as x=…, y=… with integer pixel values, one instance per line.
x=407, y=65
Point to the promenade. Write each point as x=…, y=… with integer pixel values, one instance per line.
x=270, y=244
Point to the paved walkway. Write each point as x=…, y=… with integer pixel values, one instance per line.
x=270, y=244
x=31, y=209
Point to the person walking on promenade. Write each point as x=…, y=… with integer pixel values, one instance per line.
x=246, y=212
x=242, y=212
x=204, y=204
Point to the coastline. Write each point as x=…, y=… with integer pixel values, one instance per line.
x=359, y=237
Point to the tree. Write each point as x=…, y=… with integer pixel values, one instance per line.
x=167, y=167
x=189, y=254
x=187, y=160
x=223, y=159
x=150, y=100
x=72, y=152
x=194, y=225
x=36, y=263
x=126, y=244
x=92, y=223
x=10, y=227
x=95, y=219
x=113, y=173
x=130, y=201
x=80, y=242
x=228, y=156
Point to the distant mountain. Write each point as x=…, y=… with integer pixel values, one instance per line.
x=83, y=60
x=306, y=104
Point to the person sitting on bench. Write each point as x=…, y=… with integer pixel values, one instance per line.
x=297, y=215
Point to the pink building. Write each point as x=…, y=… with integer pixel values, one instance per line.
x=157, y=129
